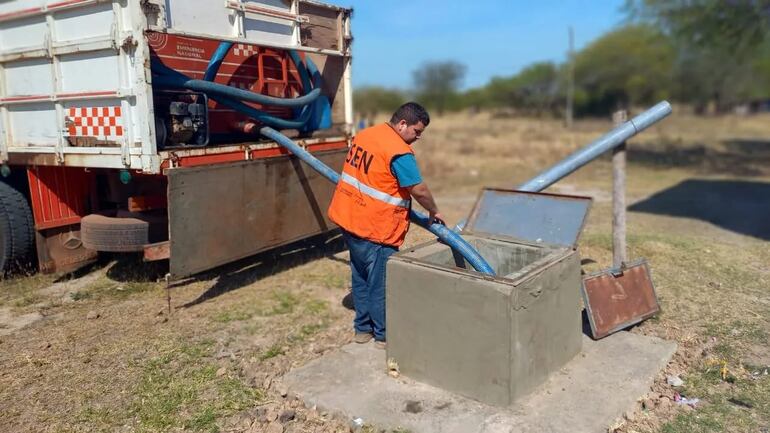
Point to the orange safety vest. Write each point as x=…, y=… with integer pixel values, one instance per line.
x=368, y=201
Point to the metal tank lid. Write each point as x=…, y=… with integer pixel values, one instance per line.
x=533, y=217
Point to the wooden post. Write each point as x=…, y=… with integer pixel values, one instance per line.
x=619, y=197
x=168, y=292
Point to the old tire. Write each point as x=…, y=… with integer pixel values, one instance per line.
x=124, y=232
x=17, y=235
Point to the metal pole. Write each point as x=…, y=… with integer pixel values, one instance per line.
x=593, y=150
x=619, y=197
x=570, y=78
x=597, y=147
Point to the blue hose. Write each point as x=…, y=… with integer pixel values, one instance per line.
x=212, y=88
x=168, y=77
x=265, y=118
x=219, y=55
x=216, y=60
x=451, y=238
x=207, y=86
x=303, y=74
x=301, y=153
x=231, y=97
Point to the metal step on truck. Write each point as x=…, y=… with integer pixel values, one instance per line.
x=133, y=126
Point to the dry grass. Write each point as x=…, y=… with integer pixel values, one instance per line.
x=214, y=364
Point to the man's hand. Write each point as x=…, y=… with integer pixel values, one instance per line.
x=422, y=194
x=436, y=218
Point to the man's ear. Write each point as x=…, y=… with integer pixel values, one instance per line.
x=402, y=125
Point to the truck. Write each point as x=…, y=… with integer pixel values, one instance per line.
x=133, y=126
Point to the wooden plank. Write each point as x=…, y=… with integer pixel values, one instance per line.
x=323, y=28
x=619, y=197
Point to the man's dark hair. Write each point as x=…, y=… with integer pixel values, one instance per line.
x=412, y=112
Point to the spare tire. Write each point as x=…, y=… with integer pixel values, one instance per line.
x=123, y=232
x=17, y=233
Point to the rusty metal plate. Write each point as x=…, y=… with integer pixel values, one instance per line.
x=157, y=251
x=618, y=298
x=60, y=250
x=224, y=212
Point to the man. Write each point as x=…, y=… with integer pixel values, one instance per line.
x=371, y=204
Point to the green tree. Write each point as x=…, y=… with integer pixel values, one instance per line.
x=437, y=84
x=501, y=91
x=706, y=75
x=476, y=98
x=760, y=72
x=536, y=90
x=372, y=100
x=737, y=25
x=628, y=66
x=721, y=47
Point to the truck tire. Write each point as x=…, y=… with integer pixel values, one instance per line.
x=125, y=232
x=17, y=232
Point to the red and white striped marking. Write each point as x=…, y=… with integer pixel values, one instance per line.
x=102, y=122
x=245, y=50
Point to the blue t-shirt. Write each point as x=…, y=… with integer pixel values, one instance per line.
x=404, y=167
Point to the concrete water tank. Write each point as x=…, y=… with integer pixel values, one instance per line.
x=493, y=339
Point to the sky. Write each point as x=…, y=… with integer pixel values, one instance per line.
x=492, y=38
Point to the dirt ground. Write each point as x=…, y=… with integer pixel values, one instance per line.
x=100, y=351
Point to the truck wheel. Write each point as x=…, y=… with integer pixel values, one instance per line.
x=17, y=235
x=124, y=232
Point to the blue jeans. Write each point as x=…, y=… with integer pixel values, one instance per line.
x=367, y=262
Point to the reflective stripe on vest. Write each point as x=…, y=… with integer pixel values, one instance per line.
x=374, y=193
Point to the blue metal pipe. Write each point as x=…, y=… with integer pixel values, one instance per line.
x=593, y=150
x=448, y=236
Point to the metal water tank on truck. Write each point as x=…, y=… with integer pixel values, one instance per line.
x=122, y=127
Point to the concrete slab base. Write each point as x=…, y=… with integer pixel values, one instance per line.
x=587, y=395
